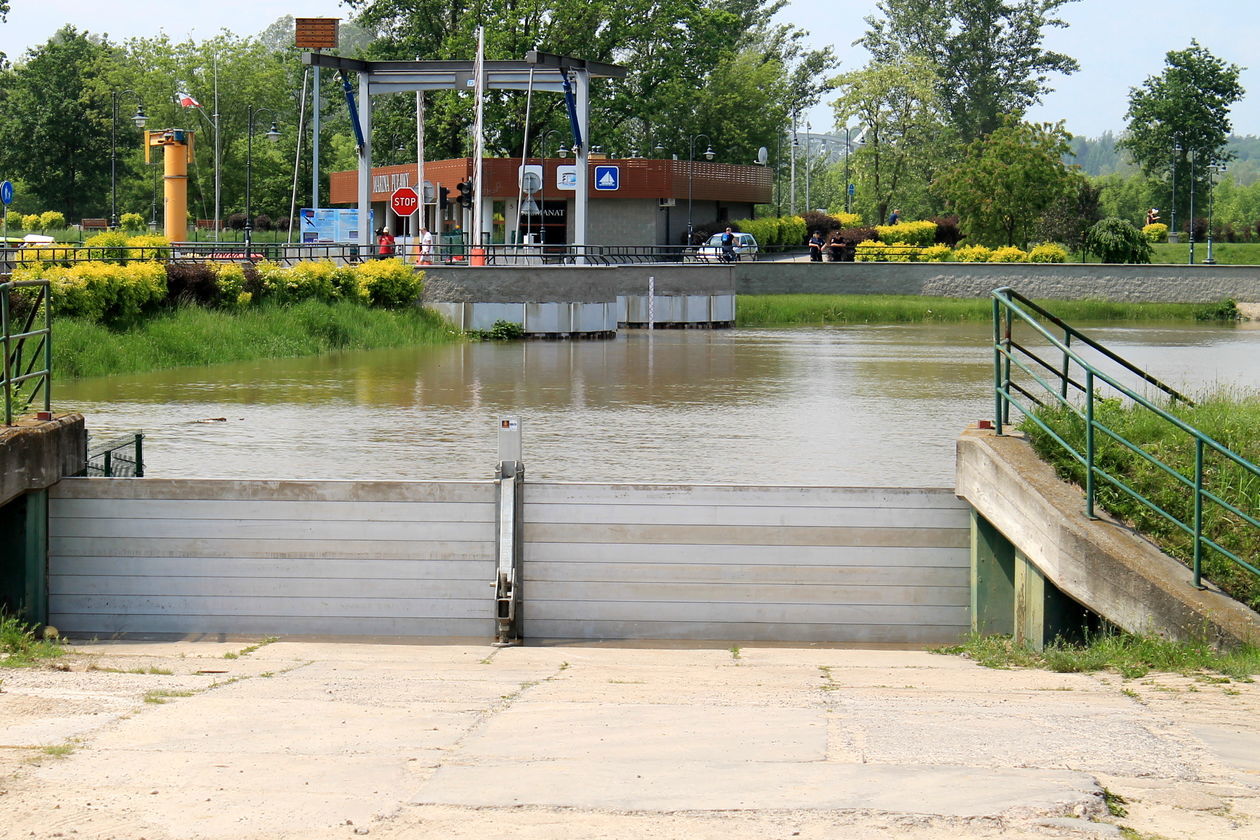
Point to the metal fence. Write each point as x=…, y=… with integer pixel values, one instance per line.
x=448, y=251
x=1024, y=379
x=27, y=369
x=121, y=457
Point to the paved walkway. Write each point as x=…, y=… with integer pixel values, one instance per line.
x=325, y=740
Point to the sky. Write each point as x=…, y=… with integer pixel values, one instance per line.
x=1119, y=43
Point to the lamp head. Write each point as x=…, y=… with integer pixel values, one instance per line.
x=708, y=153
x=273, y=134
x=140, y=119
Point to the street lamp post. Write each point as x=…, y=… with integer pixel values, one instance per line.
x=1213, y=169
x=1173, y=222
x=691, y=165
x=140, y=120
x=848, y=200
x=273, y=135
x=1191, y=162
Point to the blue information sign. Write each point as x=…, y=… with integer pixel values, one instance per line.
x=607, y=177
x=6, y=192
x=852, y=189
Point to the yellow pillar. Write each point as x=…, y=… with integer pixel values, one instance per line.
x=177, y=150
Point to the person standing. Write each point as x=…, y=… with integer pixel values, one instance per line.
x=426, y=246
x=728, y=246
x=894, y=217
x=384, y=243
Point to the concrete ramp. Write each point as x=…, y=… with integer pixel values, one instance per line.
x=1024, y=511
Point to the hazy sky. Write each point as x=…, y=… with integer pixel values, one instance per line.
x=1117, y=42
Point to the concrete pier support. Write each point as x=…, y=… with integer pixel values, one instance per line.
x=992, y=580
x=24, y=556
x=1011, y=596
x=34, y=455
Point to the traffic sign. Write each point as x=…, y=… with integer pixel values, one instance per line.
x=6, y=192
x=607, y=177
x=404, y=201
x=852, y=189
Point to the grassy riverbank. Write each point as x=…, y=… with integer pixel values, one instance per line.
x=1231, y=420
x=801, y=310
x=192, y=335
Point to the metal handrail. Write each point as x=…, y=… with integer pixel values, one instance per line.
x=1008, y=305
x=119, y=457
x=448, y=253
x=14, y=372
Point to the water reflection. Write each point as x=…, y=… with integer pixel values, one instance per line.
x=856, y=405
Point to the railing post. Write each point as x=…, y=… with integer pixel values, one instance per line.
x=997, y=365
x=1089, y=443
x=4, y=333
x=139, y=455
x=46, y=293
x=1006, y=378
x=1067, y=365
x=1198, y=513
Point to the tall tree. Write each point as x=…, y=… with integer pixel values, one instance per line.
x=676, y=51
x=1180, y=118
x=988, y=54
x=904, y=137
x=1008, y=179
x=55, y=135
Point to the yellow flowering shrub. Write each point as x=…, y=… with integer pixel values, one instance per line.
x=1008, y=254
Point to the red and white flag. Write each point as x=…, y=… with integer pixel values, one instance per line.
x=186, y=100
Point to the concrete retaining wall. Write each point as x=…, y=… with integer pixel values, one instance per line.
x=1176, y=283
x=1100, y=564
x=799, y=564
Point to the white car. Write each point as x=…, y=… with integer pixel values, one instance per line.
x=711, y=251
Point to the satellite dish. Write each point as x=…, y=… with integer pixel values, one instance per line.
x=531, y=182
x=763, y=156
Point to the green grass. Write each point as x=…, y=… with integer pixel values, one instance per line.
x=19, y=647
x=162, y=695
x=246, y=651
x=797, y=310
x=192, y=335
x=1129, y=656
x=1225, y=253
x=1231, y=420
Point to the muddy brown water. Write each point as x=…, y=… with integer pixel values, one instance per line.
x=863, y=405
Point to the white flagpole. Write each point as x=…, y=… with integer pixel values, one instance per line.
x=479, y=141
x=218, y=185
x=420, y=169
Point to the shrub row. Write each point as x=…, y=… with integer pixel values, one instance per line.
x=118, y=295
x=780, y=232
x=872, y=251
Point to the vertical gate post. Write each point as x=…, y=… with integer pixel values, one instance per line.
x=510, y=480
x=992, y=580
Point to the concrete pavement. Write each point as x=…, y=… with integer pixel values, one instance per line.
x=322, y=740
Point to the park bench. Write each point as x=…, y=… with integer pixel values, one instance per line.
x=94, y=224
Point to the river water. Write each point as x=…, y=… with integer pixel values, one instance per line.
x=864, y=405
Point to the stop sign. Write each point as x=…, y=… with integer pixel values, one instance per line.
x=404, y=201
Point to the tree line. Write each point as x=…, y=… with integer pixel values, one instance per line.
x=719, y=70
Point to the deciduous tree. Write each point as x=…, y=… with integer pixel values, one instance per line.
x=1180, y=118
x=905, y=136
x=988, y=54
x=1007, y=180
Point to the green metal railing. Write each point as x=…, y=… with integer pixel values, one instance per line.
x=1046, y=382
x=25, y=346
x=121, y=457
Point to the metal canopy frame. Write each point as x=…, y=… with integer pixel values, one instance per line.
x=542, y=71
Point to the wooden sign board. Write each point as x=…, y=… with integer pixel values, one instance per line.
x=316, y=33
